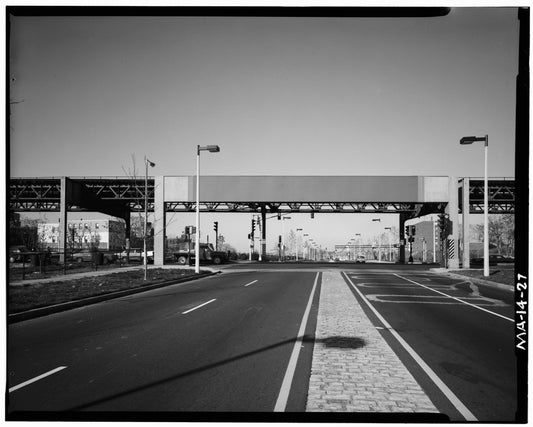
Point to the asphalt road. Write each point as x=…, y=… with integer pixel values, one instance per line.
x=224, y=344
x=216, y=344
x=470, y=347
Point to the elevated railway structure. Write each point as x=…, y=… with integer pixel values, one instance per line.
x=408, y=196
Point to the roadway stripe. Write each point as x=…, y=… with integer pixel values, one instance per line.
x=40, y=377
x=198, y=306
x=251, y=283
x=463, y=410
x=283, y=396
x=457, y=299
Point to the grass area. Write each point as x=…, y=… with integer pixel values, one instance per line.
x=28, y=296
x=499, y=274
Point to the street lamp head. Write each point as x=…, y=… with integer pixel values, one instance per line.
x=210, y=148
x=467, y=140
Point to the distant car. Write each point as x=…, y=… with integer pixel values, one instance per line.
x=479, y=261
x=85, y=255
x=16, y=253
x=500, y=259
x=360, y=259
x=136, y=255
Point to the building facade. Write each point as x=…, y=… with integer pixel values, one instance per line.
x=103, y=234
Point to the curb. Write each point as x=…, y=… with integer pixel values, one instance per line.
x=476, y=280
x=56, y=308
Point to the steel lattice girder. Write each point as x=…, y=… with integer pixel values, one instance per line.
x=282, y=207
x=43, y=194
x=501, y=198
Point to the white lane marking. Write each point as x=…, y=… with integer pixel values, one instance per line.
x=40, y=377
x=425, y=299
x=430, y=373
x=198, y=306
x=457, y=299
x=283, y=396
x=251, y=283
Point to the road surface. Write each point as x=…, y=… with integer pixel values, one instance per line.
x=242, y=341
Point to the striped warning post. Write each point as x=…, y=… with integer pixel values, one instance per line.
x=451, y=249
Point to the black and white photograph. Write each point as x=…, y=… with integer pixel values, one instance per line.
x=293, y=213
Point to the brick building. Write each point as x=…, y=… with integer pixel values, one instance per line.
x=102, y=234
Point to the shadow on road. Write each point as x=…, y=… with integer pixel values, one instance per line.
x=332, y=341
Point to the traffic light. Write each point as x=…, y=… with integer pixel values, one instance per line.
x=407, y=230
x=449, y=226
x=253, y=227
x=443, y=225
x=215, y=226
x=279, y=216
x=413, y=230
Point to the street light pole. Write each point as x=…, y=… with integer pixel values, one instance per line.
x=297, y=242
x=145, y=254
x=379, y=243
x=466, y=141
x=211, y=149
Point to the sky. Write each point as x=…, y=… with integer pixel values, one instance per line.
x=280, y=96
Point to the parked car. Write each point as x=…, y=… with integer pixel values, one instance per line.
x=136, y=255
x=18, y=253
x=479, y=261
x=500, y=259
x=85, y=255
x=360, y=259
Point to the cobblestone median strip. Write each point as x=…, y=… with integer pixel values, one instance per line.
x=353, y=368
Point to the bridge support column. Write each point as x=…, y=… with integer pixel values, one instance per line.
x=453, y=211
x=263, y=232
x=466, y=222
x=63, y=218
x=403, y=243
x=160, y=220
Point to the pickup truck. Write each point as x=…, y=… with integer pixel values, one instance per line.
x=208, y=255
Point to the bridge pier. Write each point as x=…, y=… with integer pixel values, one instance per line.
x=263, y=232
x=452, y=209
x=63, y=217
x=160, y=221
x=403, y=243
x=466, y=222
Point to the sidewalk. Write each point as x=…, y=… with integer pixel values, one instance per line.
x=94, y=273
x=353, y=368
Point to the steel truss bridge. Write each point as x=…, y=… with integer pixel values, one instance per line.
x=116, y=195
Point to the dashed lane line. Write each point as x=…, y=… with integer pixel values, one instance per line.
x=457, y=299
x=198, y=306
x=40, y=377
x=251, y=283
x=450, y=395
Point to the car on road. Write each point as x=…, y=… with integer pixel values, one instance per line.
x=360, y=259
x=479, y=261
x=500, y=259
x=18, y=253
x=86, y=255
x=136, y=254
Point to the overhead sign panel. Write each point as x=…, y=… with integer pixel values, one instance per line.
x=306, y=188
